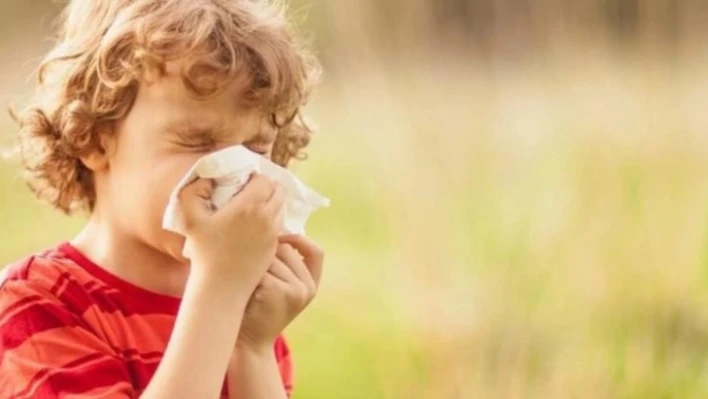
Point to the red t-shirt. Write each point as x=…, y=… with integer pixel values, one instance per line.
x=70, y=329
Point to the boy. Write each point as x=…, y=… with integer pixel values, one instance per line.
x=132, y=95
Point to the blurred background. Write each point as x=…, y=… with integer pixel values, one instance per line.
x=519, y=190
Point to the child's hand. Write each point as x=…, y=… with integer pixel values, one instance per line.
x=235, y=245
x=287, y=288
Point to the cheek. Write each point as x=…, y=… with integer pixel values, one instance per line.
x=141, y=196
x=163, y=179
x=164, y=182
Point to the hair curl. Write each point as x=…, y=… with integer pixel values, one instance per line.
x=107, y=48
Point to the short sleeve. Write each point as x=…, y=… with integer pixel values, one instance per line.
x=46, y=352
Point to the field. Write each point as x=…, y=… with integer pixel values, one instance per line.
x=532, y=231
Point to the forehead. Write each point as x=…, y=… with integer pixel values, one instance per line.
x=170, y=105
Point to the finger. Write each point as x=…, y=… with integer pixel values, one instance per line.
x=269, y=280
x=280, y=270
x=313, y=254
x=274, y=205
x=280, y=219
x=294, y=261
x=195, y=200
x=257, y=191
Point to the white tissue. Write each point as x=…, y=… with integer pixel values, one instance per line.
x=230, y=169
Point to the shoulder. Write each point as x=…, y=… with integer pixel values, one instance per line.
x=37, y=268
x=36, y=274
x=46, y=347
x=34, y=307
x=41, y=279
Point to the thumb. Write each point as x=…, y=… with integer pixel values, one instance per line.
x=195, y=201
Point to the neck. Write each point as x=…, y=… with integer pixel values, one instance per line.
x=130, y=259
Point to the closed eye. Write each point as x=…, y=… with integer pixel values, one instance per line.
x=204, y=145
x=260, y=147
x=262, y=152
x=197, y=140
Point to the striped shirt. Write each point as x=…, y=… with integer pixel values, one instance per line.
x=69, y=329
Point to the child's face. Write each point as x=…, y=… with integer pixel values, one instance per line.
x=166, y=131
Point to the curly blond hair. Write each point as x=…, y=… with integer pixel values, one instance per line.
x=106, y=48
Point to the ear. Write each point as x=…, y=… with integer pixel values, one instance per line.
x=99, y=159
x=96, y=161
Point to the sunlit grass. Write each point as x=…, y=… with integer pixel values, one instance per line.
x=537, y=234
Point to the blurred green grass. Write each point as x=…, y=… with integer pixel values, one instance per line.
x=532, y=233
x=545, y=235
